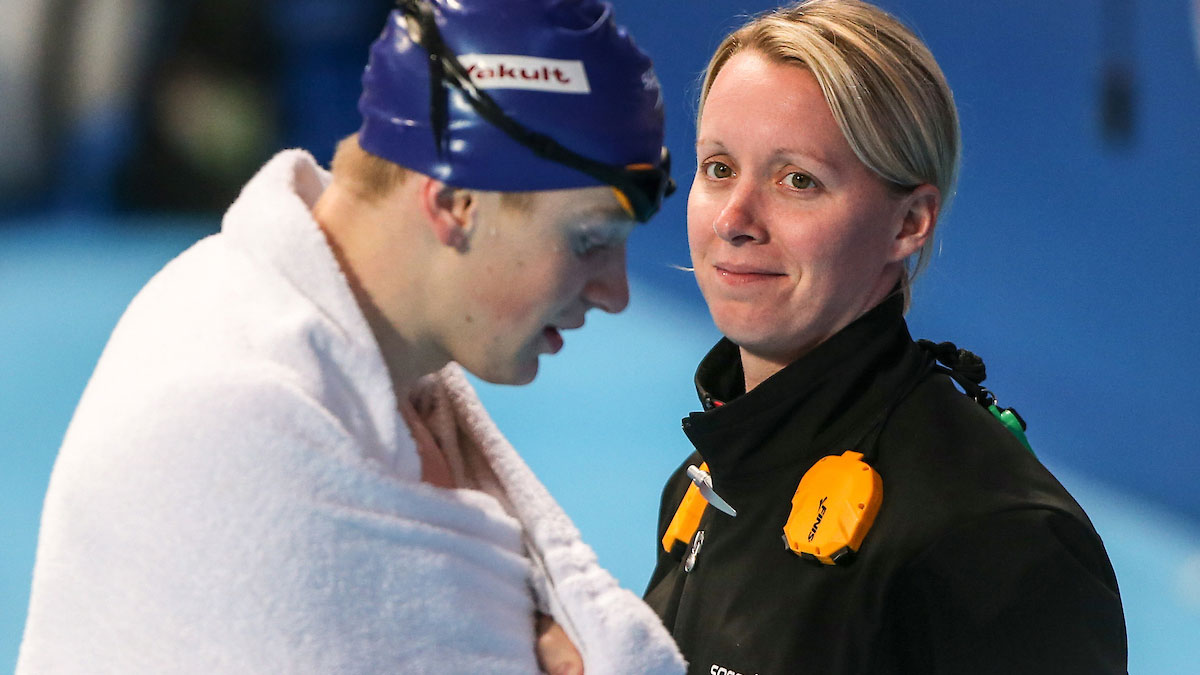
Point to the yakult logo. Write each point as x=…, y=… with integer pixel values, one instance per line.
x=506, y=71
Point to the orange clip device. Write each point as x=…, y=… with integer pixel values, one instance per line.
x=687, y=516
x=834, y=506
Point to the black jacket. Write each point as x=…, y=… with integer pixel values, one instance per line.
x=978, y=562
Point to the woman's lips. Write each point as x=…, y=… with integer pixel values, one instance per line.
x=737, y=275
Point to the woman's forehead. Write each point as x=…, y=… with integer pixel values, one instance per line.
x=777, y=110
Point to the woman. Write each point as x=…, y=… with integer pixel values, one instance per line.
x=827, y=147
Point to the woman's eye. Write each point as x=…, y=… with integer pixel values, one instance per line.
x=799, y=181
x=717, y=170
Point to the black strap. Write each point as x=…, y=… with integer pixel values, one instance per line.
x=964, y=366
x=967, y=369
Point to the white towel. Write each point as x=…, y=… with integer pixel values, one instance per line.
x=238, y=492
x=615, y=631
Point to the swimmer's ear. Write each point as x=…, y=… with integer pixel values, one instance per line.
x=917, y=217
x=449, y=211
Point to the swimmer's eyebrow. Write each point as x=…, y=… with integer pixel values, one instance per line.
x=602, y=214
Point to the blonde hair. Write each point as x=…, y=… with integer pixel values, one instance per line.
x=884, y=87
x=373, y=177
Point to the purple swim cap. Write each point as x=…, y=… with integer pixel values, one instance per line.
x=516, y=95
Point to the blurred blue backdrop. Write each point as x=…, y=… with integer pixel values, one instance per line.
x=1067, y=261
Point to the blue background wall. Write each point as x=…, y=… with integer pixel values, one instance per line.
x=1066, y=262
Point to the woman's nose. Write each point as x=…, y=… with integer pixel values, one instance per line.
x=736, y=222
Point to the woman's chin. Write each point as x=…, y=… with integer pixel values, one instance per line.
x=748, y=332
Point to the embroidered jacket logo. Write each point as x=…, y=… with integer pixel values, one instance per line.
x=820, y=514
x=508, y=71
x=721, y=670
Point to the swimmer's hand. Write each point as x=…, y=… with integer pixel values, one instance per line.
x=556, y=655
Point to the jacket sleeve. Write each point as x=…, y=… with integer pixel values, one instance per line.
x=1022, y=591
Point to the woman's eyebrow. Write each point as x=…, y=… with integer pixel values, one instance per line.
x=780, y=152
x=806, y=156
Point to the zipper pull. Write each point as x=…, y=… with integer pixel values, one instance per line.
x=703, y=482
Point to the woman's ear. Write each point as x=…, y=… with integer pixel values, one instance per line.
x=919, y=214
x=448, y=210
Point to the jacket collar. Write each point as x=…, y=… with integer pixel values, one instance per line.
x=831, y=396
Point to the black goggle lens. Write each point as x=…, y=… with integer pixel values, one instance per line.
x=645, y=187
